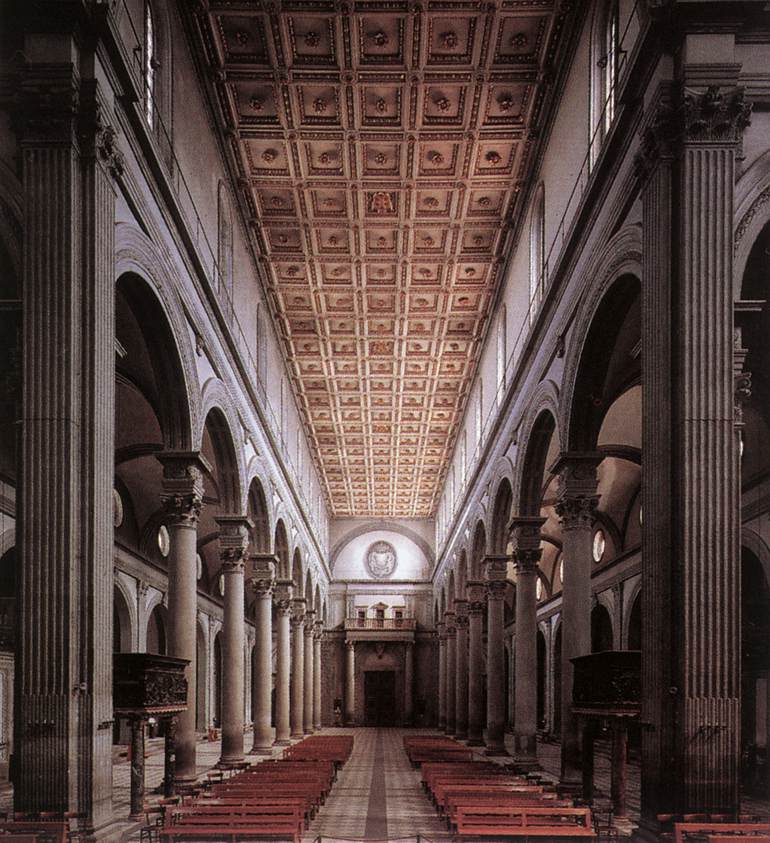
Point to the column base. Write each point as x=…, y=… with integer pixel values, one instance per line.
x=461, y=735
x=475, y=742
x=260, y=750
x=499, y=751
x=230, y=763
x=308, y=731
x=282, y=742
x=526, y=763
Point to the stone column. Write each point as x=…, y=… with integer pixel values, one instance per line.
x=461, y=669
x=496, y=568
x=442, y=648
x=525, y=532
x=408, y=683
x=233, y=540
x=318, y=634
x=476, y=608
x=283, y=606
x=298, y=667
x=262, y=569
x=67, y=161
x=182, y=496
x=451, y=672
x=576, y=508
x=350, y=683
x=691, y=138
x=307, y=682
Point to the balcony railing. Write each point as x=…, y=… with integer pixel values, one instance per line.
x=393, y=624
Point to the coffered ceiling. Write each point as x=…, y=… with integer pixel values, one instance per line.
x=381, y=148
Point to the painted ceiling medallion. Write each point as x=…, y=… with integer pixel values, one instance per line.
x=381, y=560
x=380, y=158
x=493, y=157
x=431, y=202
x=505, y=102
x=312, y=39
x=382, y=203
x=380, y=38
x=242, y=38
x=519, y=40
x=325, y=157
x=485, y=201
x=443, y=103
x=381, y=105
x=269, y=155
x=256, y=103
x=449, y=39
x=320, y=105
x=435, y=157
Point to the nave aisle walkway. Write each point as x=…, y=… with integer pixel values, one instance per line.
x=378, y=794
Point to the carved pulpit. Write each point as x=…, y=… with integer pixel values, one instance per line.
x=607, y=691
x=145, y=685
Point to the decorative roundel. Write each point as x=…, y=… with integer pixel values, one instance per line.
x=561, y=572
x=198, y=565
x=164, y=540
x=539, y=589
x=221, y=585
x=641, y=520
x=600, y=543
x=381, y=560
x=117, y=508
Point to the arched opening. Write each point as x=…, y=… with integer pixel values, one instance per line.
x=8, y=585
x=601, y=629
x=122, y=637
x=282, y=550
x=501, y=517
x=156, y=631
x=258, y=513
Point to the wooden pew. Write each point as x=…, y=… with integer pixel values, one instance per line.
x=46, y=831
x=684, y=829
x=227, y=832
x=523, y=821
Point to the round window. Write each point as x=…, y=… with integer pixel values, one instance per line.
x=117, y=508
x=561, y=572
x=539, y=589
x=164, y=540
x=221, y=585
x=199, y=565
x=600, y=543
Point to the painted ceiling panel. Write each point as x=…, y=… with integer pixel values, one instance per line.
x=381, y=147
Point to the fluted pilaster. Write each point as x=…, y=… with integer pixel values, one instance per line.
x=691, y=633
x=350, y=683
x=62, y=736
x=318, y=634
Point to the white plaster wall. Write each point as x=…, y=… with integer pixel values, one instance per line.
x=411, y=562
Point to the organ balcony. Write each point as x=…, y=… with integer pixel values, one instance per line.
x=380, y=629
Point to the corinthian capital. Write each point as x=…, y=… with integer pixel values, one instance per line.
x=298, y=612
x=233, y=541
x=282, y=597
x=182, y=488
x=715, y=115
x=577, y=499
x=261, y=572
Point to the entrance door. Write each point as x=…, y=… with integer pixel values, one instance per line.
x=380, y=697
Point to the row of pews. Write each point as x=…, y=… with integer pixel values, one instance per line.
x=271, y=800
x=487, y=800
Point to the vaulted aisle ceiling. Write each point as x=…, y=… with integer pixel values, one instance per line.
x=381, y=148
